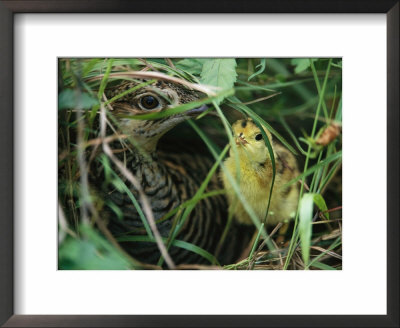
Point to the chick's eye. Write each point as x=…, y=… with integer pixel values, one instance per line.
x=259, y=137
x=149, y=102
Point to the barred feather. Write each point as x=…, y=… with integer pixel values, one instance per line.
x=168, y=179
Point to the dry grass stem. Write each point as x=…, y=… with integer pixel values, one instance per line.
x=279, y=253
x=170, y=63
x=87, y=205
x=324, y=222
x=144, y=200
x=84, y=189
x=108, y=139
x=207, y=89
x=335, y=233
x=322, y=250
x=273, y=232
x=148, y=65
x=197, y=267
x=253, y=260
x=306, y=187
x=62, y=221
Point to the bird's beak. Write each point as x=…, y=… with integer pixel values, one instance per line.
x=241, y=141
x=197, y=111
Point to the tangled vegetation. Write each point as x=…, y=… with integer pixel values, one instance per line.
x=298, y=100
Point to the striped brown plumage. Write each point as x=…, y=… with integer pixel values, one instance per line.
x=168, y=179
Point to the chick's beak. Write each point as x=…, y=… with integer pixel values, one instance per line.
x=240, y=140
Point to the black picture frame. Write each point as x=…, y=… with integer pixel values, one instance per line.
x=7, y=11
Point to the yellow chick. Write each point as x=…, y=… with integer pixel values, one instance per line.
x=256, y=176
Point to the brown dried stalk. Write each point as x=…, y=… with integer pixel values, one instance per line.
x=132, y=179
x=207, y=89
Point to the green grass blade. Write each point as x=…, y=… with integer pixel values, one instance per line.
x=256, y=241
x=289, y=130
x=177, y=243
x=336, y=243
x=272, y=156
x=214, y=149
x=318, y=85
x=190, y=202
x=294, y=238
x=202, y=188
x=330, y=174
x=180, y=108
x=315, y=176
x=322, y=266
x=249, y=86
x=196, y=198
x=320, y=202
x=89, y=66
x=104, y=81
x=312, y=169
x=338, y=116
x=261, y=69
x=305, y=226
x=235, y=103
x=232, y=180
x=119, y=184
x=123, y=94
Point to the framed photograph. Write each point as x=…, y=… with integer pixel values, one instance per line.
x=214, y=164
x=198, y=215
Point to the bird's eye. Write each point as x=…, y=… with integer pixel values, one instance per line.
x=259, y=137
x=149, y=102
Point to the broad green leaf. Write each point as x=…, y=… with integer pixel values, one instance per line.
x=305, y=228
x=220, y=73
x=191, y=65
x=301, y=64
x=70, y=99
x=92, y=252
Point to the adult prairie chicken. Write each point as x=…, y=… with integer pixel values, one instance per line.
x=167, y=178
